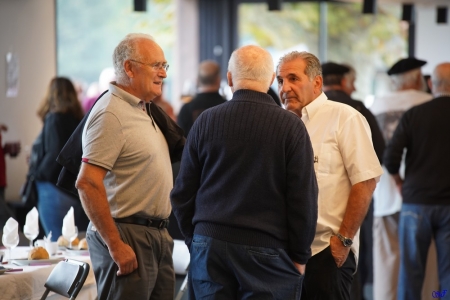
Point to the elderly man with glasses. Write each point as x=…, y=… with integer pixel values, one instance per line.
x=126, y=178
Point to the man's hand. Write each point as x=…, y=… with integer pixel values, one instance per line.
x=95, y=203
x=339, y=251
x=125, y=258
x=301, y=268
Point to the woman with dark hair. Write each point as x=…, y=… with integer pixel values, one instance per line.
x=61, y=112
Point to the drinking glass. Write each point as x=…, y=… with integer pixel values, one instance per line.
x=70, y=235
x=30, y=234
x=10, y=244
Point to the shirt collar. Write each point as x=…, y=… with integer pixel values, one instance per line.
x=310, y=110
x=122, y=94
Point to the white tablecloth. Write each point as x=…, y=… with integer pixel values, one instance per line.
x=29, y=283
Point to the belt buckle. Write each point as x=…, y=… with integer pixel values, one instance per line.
x=163, y=224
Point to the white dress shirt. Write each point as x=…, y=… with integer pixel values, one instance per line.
x=344, y=156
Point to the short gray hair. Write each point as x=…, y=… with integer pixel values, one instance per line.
x=408, y=79
x=313, y=67
x=251, y=63
x=126, y=49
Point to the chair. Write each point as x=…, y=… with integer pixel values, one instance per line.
x=67, y=278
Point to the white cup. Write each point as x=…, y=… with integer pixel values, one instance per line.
x=51, y=247
x=39, y=243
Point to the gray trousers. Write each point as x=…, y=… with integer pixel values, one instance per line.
x=153, y=279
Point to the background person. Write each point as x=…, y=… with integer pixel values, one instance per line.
x=425, y=213
x=12, y=150
x=408, y=90
x=60, y=110
x=208, y=85
x=125, y=179
x=165, y=105
x=95, y=89
x=247, y=185
x=346, y=167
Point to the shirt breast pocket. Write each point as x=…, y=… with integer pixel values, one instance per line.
x=322, y=160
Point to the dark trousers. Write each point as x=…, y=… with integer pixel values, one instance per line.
x=324, y=280
x=364, y=274
x=153, y=279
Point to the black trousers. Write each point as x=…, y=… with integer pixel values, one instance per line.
x=324, y=280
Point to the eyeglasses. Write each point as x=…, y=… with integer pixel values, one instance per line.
x=156, y=66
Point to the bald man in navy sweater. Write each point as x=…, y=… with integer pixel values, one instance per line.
x=246, y=195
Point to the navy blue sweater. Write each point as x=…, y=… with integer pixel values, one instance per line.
x=247, y=177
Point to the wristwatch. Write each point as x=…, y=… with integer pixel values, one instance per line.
x=347, y=242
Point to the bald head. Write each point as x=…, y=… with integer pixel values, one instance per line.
x=250, y=67
x=440, y=79
x=208, y=76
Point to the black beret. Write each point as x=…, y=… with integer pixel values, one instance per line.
x=331, y=68
x=405, y=65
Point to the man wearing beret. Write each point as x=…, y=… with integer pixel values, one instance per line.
x=425, y=187
x=338, y=85
x=408, y=91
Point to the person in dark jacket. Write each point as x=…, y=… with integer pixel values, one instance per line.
x=247, y=185
x=61, y=111
x=338, y=85
x=208, y=82
x=425, y=187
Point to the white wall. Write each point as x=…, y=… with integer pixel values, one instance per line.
x=432, y=39
x=27, y=28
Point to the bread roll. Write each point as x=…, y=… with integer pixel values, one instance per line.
x=83, y=245
x=62, y=242
x=38, y=253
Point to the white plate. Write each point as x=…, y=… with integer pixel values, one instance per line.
x=36, y=262
x=74, y=252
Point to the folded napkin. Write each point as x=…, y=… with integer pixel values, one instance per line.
x=68, y=227
x=10, y=232
x=32, y=222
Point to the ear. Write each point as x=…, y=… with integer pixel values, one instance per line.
x=230, y=79
x=317, y=83
x=343, y=81
x=128, y=67
x=273, y=78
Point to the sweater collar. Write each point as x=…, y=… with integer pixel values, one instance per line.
x=253, y=96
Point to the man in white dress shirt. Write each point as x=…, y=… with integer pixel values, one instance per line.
x=347, y=170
